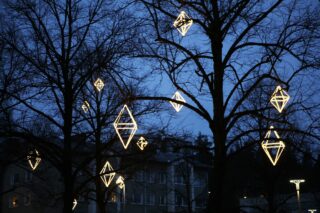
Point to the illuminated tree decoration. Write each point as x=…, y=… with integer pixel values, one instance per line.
x=75, y=203
x=85, y=106
x=125, y=126
x=142, y=143
x=107, y=174
x=297, y=182
x=183, y=23
x=99, y=84
x=177, y=96
x=312, y=210
x=120, y=182
x=279, y=98
x=34, y=159
x=273, y=146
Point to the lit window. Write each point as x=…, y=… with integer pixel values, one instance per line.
x=13, y=202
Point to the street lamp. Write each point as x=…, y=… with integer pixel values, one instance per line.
x=297, y=184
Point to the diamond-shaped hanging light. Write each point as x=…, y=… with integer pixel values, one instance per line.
x=99, y=84
x=177, y=96
x=183, y=23
x=120, y=182
x=107, y=174
x=279, y=98
x=34, y=159
x=272, y=145
x=142, y=143
x=74, y=204
x=85, y=106
x=125, y=126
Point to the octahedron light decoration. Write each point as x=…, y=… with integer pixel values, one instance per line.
x=177, y=96
x=273, y=146
x=99, y=84
x=85, y=106
x=183, y=23
x=34, y=159
x=75, y=203
x=312, y=210
x=142, y=143
x=125, y=126
x=279, y=98
x=120, y=182
x=107, y=174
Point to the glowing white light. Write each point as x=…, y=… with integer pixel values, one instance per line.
x=34, y=159
x=177, y=96
x=107, y=174
x=99, y=84
x=273, y=147
x=120, y=182
x=85, y=106
x=142, y=143
x=279, y=98
x=75, y=203
x=183, y=23
x=312, y=210
x=125, y=126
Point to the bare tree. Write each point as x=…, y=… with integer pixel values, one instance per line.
x=233, y=47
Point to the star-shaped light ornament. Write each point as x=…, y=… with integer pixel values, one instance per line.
x=279, y=98
x=125, y=126
x=75, y=203
x=177, y=96
x=99, y=84
x=107, y=174
x=272, y=145
x=183, y=23
x=85, y=106
x=34, y=159
x=142, y=143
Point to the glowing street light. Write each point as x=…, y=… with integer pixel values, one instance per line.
x=297, y=184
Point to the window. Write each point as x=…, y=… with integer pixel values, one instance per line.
x=27, y=199
x=178, y=179
x=112, y=198
x=28, y=176
x=13, y=202
x=162, y=200
x=150, y=177
x=150, y=198
x=163, y=178
x=178, y=200
x=15, y=179
x=139, y=176
x=137, y=197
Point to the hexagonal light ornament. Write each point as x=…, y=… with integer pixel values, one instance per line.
x=273, y=146
x=177, y=96
x=85, y=106
x=279, y=98
x=183, y=23
x=142, y=143
x=74, y=204
x=125, y=126
x=34, y=159
x=99, y=84
x=107, y=174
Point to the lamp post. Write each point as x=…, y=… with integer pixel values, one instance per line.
x=297, y=184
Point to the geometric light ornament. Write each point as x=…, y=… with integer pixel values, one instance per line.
x=272, y=145
x=312, y=210
x=125, y=126
x=279, y=98
x=99, y=84
x=297, y=184
x=75, y=203
x=120, y=182
x=183, y=23
x=142, y=143
x=107, y=174
x=34, y=159
x=177, y=96
x=85, y=106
